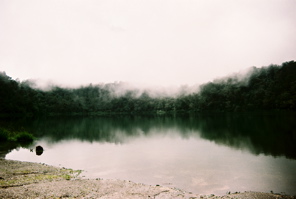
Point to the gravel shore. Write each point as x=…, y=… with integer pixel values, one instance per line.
x=33, y=180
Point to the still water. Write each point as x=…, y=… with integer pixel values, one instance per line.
x=212, y=153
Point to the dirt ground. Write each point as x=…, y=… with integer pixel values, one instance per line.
x=33, y=180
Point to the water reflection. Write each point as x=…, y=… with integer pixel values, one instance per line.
x=265, y=133
x=212, y=153
x=260, y=133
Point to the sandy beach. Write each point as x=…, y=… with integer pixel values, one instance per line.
x=33, y=180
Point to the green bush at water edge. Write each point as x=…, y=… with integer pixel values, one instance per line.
x=19, y=137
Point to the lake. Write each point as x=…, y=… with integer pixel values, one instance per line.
x=207, y=153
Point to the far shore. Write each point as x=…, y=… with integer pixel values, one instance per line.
x=34, y=180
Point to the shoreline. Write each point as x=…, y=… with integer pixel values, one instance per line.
x=35, y=180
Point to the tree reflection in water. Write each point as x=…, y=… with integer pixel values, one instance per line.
x=269, y=133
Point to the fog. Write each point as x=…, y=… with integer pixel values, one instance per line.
x=147, y=43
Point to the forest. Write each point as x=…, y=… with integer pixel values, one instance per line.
x=265, y=88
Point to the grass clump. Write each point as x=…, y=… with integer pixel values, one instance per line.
x=67, y=177
x=70, y=173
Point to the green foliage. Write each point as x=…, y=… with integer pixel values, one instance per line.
x=21, y=138
x=67, y=177
x=24, y=137
x=160, y=112
x=4, y=135
x=266, y=88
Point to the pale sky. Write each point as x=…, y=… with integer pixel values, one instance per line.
x=152, y=42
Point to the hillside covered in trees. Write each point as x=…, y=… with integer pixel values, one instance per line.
x=266, y=88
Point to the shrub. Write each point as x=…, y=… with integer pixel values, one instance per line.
x=24, y=137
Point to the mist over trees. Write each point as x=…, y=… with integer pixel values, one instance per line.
x=266, y=88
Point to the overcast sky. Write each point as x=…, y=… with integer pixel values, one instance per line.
x=154, y=42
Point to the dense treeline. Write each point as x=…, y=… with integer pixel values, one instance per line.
x=266, y=88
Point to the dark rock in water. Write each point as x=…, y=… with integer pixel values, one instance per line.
x=39, y=150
